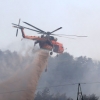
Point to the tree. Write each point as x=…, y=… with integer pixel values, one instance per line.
x=90, y=97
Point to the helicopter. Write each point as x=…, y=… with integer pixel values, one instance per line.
x=46, y=40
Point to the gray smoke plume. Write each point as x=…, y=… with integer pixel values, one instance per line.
x=22, y=86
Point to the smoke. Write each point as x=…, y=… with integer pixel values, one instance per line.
x=61, y=70
x=22, y=86
x=65, y=69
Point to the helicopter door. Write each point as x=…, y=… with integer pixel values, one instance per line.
x=55, y=48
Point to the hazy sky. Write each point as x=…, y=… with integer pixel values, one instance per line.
x=79, y=17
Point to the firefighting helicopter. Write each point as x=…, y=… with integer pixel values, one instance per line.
x=46, y=40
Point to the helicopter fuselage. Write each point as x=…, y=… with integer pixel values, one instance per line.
x=46, y=42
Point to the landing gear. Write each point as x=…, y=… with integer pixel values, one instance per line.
x=51, y=53
x=34, y=46
x=52, y=50
x=35, y=43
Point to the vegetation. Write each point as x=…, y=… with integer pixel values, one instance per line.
x=61, y=70
x=45, y=95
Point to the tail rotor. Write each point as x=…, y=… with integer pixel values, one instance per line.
x=17, y=28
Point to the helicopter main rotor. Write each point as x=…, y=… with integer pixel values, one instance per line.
x=43, y=32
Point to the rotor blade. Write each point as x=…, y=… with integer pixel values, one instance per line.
x=56, y=29
x=16, y=26
x=16, y=32
x=71, y=35
x=34, y=27
x=62, y=36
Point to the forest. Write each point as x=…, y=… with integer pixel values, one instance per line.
x=61, y=71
